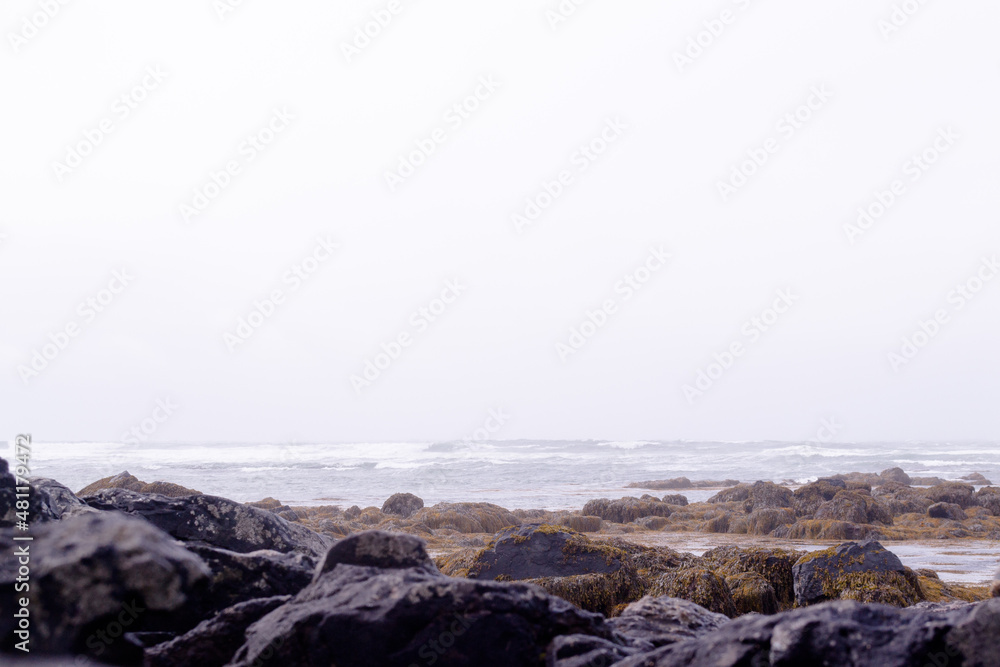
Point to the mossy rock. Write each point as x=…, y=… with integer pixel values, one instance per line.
x=716, y=524
x=808, y=498
x=854, y=507
x=902, y=499
x=988, y=497
x=865, y=572
x=818, y=529
x=583, y=524
x=699, y=585
x=960, y=494
x=628, y=509
x=752, y=593
x=764, y=521
x=759, y=495
x=466, y=517
x=457, y=563
x=127, y=481
x=897, y=589
x=653, y=522
x=605, y=594
x=534, y=551
x=775, y=565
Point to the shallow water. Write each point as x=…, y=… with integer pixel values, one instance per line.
x=956, y=561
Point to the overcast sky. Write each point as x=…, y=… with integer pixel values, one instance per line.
x=167, y=170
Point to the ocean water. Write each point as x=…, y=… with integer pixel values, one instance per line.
x=514, y=474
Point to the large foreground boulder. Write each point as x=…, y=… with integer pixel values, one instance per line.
x=98, y=575
x=395, y=615
x=240, y=577
x=48, y=500
x=664, y=620
x=219, y=522
x=214, y=641
x=844, y=633
x=866, y=571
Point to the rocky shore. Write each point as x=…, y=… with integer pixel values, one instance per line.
x=125, y=572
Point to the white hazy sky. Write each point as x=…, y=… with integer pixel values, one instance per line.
x=685, y=129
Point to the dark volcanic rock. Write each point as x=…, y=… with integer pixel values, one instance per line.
x=402, y=504
x=213, y=642
x=628, y=509
x=759, y=495
x=539, y=550
x=586, y=651
x=659, y=621
x=374, y=548
x=48, y=500
x=367, y=616
x=240, y=577
x=96, y=571
x=216, y=521
x=853, y=570
x=946, y=511
x=842, y=633
x=55, y=501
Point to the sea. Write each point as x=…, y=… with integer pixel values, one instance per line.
x=554, y=475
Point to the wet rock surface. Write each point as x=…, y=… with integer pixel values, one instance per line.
x=219, y=522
